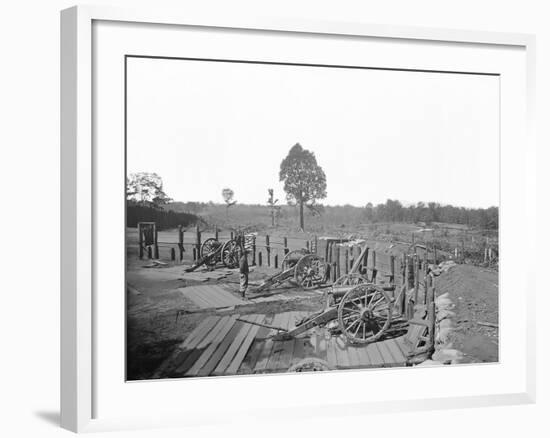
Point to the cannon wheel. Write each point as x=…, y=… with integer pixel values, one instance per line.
x=364, y=313
x=209, y=246
x=287, y=259
x=230, y=254
x=310, y=271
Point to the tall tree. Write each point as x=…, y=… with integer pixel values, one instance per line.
x=227, y=195
x=304, y=180
x=146, y=188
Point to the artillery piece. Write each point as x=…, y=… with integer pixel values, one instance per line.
x=212, y=252
x=301, y=268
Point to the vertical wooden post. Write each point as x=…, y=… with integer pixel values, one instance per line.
x=198, y=242
x=285, y=245
x=435, y=255
x=194, y=253
x=326, y=252
x=216, y=233
x=374, y=270
x=403, y=284
x=231, y=235
x=307, y=246
x=156, y=241
x=416, y=278
x=410, y=273
x=180, y=244
x=338, y=261
x=334, y=272
x=253, y=250
x=140, y=242
x=173, y=254
x=276, y=261
x=259, y=258
x=268, y=250
x=392, y=272
x=365, y=261
x=347, y=261
x=463, y=253
x=431, y=315
x=149, y=252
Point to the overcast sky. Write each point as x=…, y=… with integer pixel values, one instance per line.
x=412, y=136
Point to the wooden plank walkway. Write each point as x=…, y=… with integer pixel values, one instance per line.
x=211, y=296
x=221, y=345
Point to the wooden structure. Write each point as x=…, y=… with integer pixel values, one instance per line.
x=148, y=239
x=229, y=345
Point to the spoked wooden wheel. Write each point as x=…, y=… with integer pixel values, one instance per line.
x=209, y=246
x=291, y=258
x=310, y=271
x=364, y=313
x=231, y=252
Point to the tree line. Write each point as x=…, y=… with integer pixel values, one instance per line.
x=394, y=211
x=165, y=219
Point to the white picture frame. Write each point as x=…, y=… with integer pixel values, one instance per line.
x=81, y=373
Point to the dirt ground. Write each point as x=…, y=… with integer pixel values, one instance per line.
x=155, y=325
x=474, y=291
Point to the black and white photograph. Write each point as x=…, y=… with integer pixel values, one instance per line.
x=285, y=218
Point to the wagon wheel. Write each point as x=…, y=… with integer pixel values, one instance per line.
x=231, y=252
x=209, y=246
x=291, y=258
x=310, y=271
x=364, y=313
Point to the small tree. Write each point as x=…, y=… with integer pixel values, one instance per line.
x=146, y=188
x=304, y=180
x=227, y=195
x=274, y=209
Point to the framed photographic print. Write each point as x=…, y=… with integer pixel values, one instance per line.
x=255, y=206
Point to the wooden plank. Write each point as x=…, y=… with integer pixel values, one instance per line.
x=249, y=362
x=221, y=351
x=183, y=350
x=398, y=356
x=278, y=345
x=354, y=361
x=264, y=355
x=298, y=353
x=243, y=350
x=403, y=346
x=283, y=363
x=374, y=355
x=190, y=293
x=196, y=351
x=236, y=342
x=363, y=356
x=342, y=357
x=204, y=294
x=210, y=343
x=385, y=352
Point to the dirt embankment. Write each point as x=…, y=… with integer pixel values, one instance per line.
x=474, y=291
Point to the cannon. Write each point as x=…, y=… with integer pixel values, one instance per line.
x=301, y=268
x=212, y=252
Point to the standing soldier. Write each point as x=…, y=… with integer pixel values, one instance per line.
x=243, y=270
